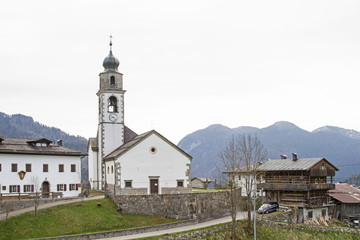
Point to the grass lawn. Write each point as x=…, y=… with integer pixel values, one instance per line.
x=201, y=190
x=74, y=218
x=95, y=193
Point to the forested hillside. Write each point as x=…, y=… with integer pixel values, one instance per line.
x=20, y=126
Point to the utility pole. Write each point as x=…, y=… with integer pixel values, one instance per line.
x=255, y=208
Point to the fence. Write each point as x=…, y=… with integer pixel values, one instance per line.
x=19, y=196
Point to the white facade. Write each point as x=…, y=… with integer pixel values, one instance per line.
x=50, y=174
x=127, y=161
x=151, y=158
x=94, y=164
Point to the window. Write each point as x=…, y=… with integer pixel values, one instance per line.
x=73, y=167
x=73, y=187
x=310, y=214
x=28, y=167
x=45, y=168
x=108, y=170
x=112, y=80
x=112, y=169
x=323, y=212
x=153, y=150
x=128, y=183
x=14, y=167
x=180, y=183
x=4, y=188
x=112, y=105
x=61, y=167
x=41, y=144
x=61, y=187
x=14, y=188
x=28, y=188
x=0, y=167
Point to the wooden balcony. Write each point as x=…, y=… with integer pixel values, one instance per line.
x=296, y=186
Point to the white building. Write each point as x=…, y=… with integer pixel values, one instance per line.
x=201, y=182
x=124, y=161
x=244, y=179
x=29, y=166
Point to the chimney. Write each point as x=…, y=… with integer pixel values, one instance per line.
x=294, y=155
x=59, y=143
x=283, y=156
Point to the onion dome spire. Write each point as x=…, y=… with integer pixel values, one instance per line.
x=111, y=63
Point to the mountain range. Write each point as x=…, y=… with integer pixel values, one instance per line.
x=340, y=146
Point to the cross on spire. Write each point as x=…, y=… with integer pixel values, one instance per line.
x=110, y=42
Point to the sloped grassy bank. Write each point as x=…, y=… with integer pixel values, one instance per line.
x=75, y=218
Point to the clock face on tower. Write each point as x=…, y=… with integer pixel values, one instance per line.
x=113, y=117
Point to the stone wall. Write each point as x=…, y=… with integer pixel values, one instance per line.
x=201, y=206
x=25, y=203
x=124, y=232
x=307, y=227
x=112, y=189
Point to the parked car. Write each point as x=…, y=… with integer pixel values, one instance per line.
x=268, y=207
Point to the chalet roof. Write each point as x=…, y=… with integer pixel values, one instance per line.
x=345, y=193
x=301, y=164
x=136, y=140
x=28, y=146
x=203, y=179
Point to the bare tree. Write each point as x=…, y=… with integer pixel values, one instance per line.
x=35, y=182
x=230, y=160
x=242, y=156
x=252, y=154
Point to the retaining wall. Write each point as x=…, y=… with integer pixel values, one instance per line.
x=25, y=203
x=201, y=206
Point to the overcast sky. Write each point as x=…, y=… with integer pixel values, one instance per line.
x=186, y=64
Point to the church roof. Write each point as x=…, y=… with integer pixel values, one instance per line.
x=111, y=63
x=136, y=140
x=128, y=136
x=29, y=146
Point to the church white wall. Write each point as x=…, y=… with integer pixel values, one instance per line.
x=37, y=176
x=93, y=169
x=140, y=163
x=113, y=136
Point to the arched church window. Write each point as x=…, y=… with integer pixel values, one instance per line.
x=112, y=106
x=112, y=80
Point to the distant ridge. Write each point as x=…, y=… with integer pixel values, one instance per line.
x=21, y=126
x=340, y=146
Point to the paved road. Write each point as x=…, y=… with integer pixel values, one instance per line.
x=47, y=205
x=240, y=215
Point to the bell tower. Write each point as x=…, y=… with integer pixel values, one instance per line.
x=111, y=108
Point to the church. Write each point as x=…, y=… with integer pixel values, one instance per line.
x=126, y=163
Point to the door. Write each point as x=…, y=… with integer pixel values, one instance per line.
x=154, y=186
x=45, y=189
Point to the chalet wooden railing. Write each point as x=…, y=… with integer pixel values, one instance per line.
x=296, y=179
x=296, y=186
x=19, y=196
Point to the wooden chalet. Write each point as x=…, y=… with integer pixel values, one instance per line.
x=302, y=182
